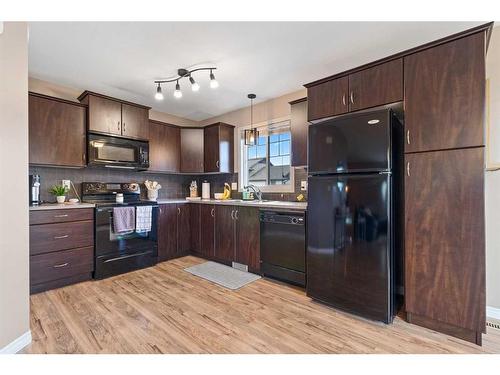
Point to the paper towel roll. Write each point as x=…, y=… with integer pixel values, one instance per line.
x=205, y=190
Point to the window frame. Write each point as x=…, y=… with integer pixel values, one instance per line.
x=289, y=188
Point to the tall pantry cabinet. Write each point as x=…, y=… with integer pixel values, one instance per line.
x=444, y=187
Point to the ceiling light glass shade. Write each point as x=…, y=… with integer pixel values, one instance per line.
x=194, y=84
x=251, y=136
x=159, y=94
x=177, y=92
x=213, y=82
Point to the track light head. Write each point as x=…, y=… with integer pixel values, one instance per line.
x=194, y=85
x=213, y=82
x=159, y=94
x=177, y=92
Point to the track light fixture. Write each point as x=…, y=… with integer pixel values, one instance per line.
x=184, y=73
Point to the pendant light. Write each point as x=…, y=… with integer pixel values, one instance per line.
x=252, y=134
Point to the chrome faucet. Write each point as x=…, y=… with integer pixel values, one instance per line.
x=256, y=190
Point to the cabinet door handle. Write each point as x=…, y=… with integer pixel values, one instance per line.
x=408, y=136
x=124, y=128
x=60, y=265
x=236, y=215
x=118, y=127
x=343, y=100
x=178, y=210
x=351, y=97
x=61, y=237
x=65, y=215
x=212, y=212
x=83, y=157
x=217, y=164
x=232, y=214
x=408, y=169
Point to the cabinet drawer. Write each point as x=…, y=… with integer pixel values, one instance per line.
x=47, y=238
x=60, y=265
x=61, y=216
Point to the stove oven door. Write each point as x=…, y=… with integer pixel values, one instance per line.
x=119, y=253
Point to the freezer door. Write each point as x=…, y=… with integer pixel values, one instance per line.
x=354, y=143
x=348, y=243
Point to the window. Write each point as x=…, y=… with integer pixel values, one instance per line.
x=267, y=164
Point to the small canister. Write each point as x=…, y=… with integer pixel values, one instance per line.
x=119, y=198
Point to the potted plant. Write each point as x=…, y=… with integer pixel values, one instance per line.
x=60, y=192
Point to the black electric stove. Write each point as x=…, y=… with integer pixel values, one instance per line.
x=119, y=253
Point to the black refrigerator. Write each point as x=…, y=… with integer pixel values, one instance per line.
x=354, y=257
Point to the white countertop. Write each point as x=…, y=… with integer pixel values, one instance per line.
x=238, y=202
x=63, y=206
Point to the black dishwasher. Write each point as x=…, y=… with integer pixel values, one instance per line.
x=283, y=245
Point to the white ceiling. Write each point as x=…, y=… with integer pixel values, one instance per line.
x=122, y=59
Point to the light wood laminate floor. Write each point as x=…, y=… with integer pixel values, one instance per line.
x=164, y=309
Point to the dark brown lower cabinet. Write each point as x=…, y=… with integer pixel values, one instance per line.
x=195, y=226
x=167, y=232
x=174, y=238
x=61, y=251
x=445, y=241
x=207, y=230
x=224, y=233
x=183, y=229
x=248, y=237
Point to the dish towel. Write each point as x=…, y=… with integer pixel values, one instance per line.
x=123, y=219
x=143, y=218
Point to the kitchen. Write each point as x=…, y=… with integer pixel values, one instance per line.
x=310, y=222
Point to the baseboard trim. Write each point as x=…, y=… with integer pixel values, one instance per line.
x=17, y=345
x=492, y=312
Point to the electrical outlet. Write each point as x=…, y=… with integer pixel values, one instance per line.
x=303, y=185
x=66, y=183
x=234, y=186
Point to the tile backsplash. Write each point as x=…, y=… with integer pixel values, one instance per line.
x=173, y=185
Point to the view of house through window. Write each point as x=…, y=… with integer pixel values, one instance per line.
x=268, y=162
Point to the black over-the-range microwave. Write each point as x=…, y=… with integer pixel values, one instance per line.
x=115, y=152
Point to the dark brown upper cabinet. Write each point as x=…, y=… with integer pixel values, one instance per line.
x=299, y=129
x=381, y=84
x=371, y=87
x=135, y=121
x=56, y=131
x=112, y=116
x=444, y=95
x=444, y=240
x=192, y=150
x=219, y=148
x=164, y=147
x=328, y=99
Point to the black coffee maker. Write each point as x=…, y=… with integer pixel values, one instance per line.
x=34, y=181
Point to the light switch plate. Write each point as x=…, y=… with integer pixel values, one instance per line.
x=303, y=185
x=234, y=186
x=66, y=183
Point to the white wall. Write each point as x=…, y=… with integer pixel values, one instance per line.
x=14, y=247
x=492, y=182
